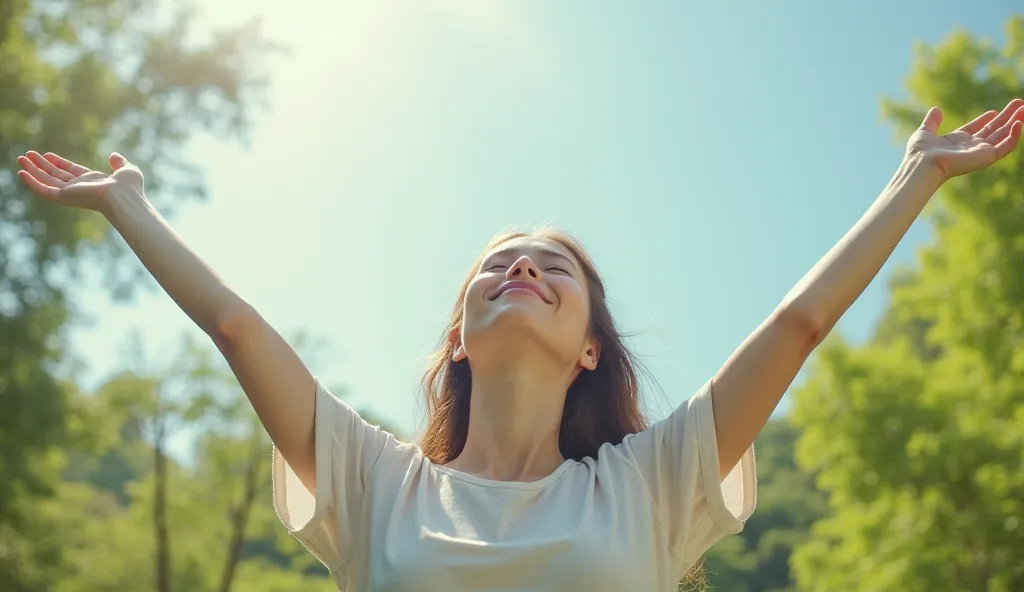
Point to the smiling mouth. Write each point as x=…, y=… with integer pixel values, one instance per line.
x=520, y=288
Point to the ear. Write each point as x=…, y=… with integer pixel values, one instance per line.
x=455, y=338
x=591, y=354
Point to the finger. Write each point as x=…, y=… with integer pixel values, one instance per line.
x=1012, y=139
x=65, y=164
x=48, y=166
x=35, y=186
x=1000, y=134
x=1002, y=119
x=979, y=122
x=932, y=120
x=117, y=161
x=39, y=174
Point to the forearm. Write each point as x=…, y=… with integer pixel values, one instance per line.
x=839, y=278
x=186, y=278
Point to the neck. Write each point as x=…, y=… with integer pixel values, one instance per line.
x=515, y=412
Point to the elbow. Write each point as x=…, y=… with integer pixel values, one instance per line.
x=804, y=326
x=231, y=327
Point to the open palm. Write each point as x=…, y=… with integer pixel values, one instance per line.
x=59, y=180
x=975, y=145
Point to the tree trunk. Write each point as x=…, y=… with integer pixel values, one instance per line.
x=163, y=544
x=240, y=515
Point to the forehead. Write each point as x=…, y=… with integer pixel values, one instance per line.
x=532, y=246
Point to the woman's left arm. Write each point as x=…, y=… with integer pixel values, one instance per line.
x=750, y=385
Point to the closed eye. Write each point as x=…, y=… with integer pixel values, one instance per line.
x=495, y=266
x=556, y=268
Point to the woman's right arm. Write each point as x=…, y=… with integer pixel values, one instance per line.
x=279, y=386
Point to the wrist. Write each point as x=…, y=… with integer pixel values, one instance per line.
x=118, y=200
x=921, y=170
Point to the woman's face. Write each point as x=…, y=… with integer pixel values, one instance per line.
x=528, y=291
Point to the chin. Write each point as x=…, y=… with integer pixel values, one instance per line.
x=512, y=327
x=516, y=319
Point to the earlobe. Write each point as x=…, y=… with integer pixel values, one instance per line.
x=590, y=357
x=458, y=352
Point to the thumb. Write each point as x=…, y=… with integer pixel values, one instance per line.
x=117, y=161
x=932, y=120
x=126, y=172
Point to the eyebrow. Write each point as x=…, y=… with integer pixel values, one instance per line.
x=545, y=251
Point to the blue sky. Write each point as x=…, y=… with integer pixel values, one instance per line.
x=707, y=154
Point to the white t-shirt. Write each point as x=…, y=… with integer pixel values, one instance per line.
x=385, y=518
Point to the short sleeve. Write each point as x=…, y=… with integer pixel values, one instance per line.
x=678, y=457
x=346, y=450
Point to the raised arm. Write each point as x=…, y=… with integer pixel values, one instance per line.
x=750, y=385
x=277, y=383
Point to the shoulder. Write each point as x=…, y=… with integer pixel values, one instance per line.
x=398, y=458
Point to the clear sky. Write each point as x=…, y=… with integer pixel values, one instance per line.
x=708, y=153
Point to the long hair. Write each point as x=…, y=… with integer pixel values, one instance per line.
x=601, y=406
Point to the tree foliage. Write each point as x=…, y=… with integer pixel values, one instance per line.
x=757, y=560
x=80, y=77
x=139, y=512
x=918, y=436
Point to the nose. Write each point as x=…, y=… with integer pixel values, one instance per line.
x=523, y=269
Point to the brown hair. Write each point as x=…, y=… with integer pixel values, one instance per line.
x=601, y=406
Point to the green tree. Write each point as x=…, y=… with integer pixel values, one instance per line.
x=81, y=77
x=200, y=519
x=918, y=436
x=757, y=560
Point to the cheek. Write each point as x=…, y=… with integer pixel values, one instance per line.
x=474, y=303
x=575, y=305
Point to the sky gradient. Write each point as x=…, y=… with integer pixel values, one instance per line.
x=706, y=153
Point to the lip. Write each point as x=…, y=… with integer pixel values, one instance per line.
x=529, y=286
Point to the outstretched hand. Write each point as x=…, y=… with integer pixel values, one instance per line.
x=975, y=145
x=64, y=182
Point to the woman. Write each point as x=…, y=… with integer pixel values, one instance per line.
x=537, y=471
